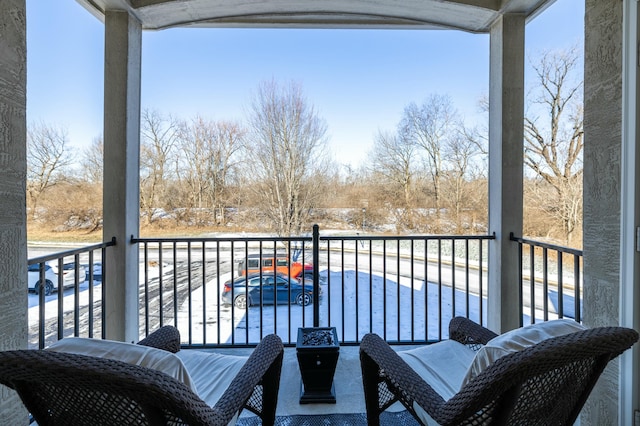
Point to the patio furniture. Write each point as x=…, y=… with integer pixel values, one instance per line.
x=166, y=337
x=477, y=377
x=64, y=388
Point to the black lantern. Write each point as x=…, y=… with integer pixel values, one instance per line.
x=317, y=349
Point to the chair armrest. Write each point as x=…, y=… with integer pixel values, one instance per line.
x=166, y=338
x=264, y=365
x=394, y=370
x=469, y=333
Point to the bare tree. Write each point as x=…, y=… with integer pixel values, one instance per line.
x=287, y=144
x=93, y=161
x=554, y=143
x=227, y=142
x=457, y=189
x=428, y=126
x=48, y=160
x=158, y=139
x=393, y=163
x=210, y=151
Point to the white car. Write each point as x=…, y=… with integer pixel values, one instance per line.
x=51, y=276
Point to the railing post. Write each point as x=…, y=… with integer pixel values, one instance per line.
x=315, y=250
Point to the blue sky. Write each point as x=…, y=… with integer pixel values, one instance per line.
x=358, y=80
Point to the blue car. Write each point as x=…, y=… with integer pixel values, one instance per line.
x=279, y=289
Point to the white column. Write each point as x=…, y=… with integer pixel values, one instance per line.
x=123, y=40
x=604, y=125
x=13, y=175
x=506, y=131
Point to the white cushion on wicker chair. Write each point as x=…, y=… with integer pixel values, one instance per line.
x=144, y=356
x=211, y=372
x=517, y=340
x=207, y=374
x=442, y=365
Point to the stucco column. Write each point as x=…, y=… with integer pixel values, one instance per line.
x=506, y=135
x=123, y=40
x=603, y=102
x=13, y=215
x=629, y=401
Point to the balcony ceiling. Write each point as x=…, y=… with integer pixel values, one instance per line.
x=469, y=15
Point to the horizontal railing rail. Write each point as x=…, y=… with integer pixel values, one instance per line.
x=72, y=275
x=550, y=281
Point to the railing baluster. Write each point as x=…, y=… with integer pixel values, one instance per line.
x=481, y=287
x=146, y=289
x=576, y=275
x=384, y=287
x=398, y=288
x=357, y=312
x=560, y=285
x=426, y=289
x=342, y=291
x=439, y=289
x=90, y=289
x=532, y=282
x=189, y=298
x=328, y=296
x=76, y=293
x=545, y=284
x=204, y=293
x=175, y=284
x=521, y=281
x=466, y=274
x=160, y=287
x=412, y=292
x=370, y=287
x=453, y=278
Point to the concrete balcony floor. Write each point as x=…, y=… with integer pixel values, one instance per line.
x=348, y=388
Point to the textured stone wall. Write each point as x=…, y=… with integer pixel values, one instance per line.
x=602, y=186
x=13, y=239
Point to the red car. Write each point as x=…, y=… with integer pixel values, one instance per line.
x=268, y=262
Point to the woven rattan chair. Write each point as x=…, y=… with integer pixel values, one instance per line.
x=61, y=388
x=545, y=384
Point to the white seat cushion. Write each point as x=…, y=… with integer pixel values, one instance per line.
x=443, y=366
x=211, y=372
x=517, y=340
x=130, y=353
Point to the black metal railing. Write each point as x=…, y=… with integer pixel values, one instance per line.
x=404, y=288
x=550, y=281
x=63, y=300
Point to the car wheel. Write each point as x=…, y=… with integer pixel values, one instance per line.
x=303, y=299
x=240, y=301
x=48, y=288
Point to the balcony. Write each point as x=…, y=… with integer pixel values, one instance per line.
x=404, y=288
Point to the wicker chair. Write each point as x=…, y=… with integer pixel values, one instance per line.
x=545, y=384
x=69, y=389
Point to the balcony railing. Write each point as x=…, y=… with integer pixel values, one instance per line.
x=405, y=288
x=66, y=297
x=549, y=274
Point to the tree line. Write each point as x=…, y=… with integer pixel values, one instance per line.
x=272, y=171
